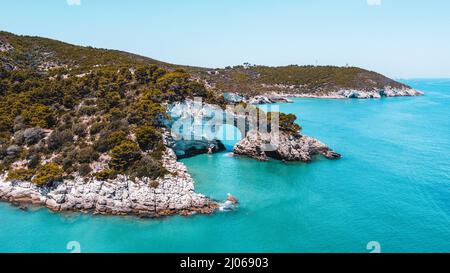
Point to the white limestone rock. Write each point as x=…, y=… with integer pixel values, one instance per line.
x=121, y=196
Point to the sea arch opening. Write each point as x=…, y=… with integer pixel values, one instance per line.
x=229, y=135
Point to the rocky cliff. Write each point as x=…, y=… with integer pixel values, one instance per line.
x=78, y=125
x=172, y=194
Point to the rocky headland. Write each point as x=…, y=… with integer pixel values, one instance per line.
x=257, y=144
x=172, y=194
x=92, y=135
x=286, y=147
x=169, y=195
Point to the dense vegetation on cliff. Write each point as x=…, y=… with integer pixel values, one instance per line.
x=81, y=118
x=67, y=110
x=44, y=54
x=253, y=80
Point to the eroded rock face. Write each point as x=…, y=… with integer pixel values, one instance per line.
x=188, y=148
x=194, y=127
x=174, y=195
x=269, y=99
x=290, y=147
x=233, y=97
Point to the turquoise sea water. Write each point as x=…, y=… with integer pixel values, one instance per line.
x=392, y=186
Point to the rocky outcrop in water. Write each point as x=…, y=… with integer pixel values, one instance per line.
x=289, y=147
x=173, y=194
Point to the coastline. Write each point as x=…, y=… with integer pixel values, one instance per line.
x=174, y=195
x=281, y=96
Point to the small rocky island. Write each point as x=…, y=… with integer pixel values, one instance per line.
x=89, y=130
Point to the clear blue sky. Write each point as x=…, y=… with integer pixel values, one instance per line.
x=400, y=38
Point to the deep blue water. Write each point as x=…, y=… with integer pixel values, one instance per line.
x=392, y=186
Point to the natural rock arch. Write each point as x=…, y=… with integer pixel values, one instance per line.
x=188, y=136
x=193, y=128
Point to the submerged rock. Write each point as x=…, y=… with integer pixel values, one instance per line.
x=230, y=204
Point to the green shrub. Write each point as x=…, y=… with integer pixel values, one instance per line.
x=33, y=135
x=115, y=138
x=158, y=151
x=67, y=119
x=49, y=173
x=33, y=161
x=150, y=74
x=107, y=141
x=68, y=101
x=79, y=129
x=90, y=102
x=148, y=167
x=84, y=170
x=3, y=153
x=68, y=161
x=147, y=137
x=146, y=111
x=87, y=155
x=18, y=124
x=119, y=125
x=58, y=139
x=20, y=175
x=4, y=137
x=154, y=95
x=96, y=128
x=154, y=184
x=39, y=115
x=19, y=138
x=286, y=122
x=105, y=175
x=124, y=155
x=142, y=75
x=115, y=114
x=88, y=110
